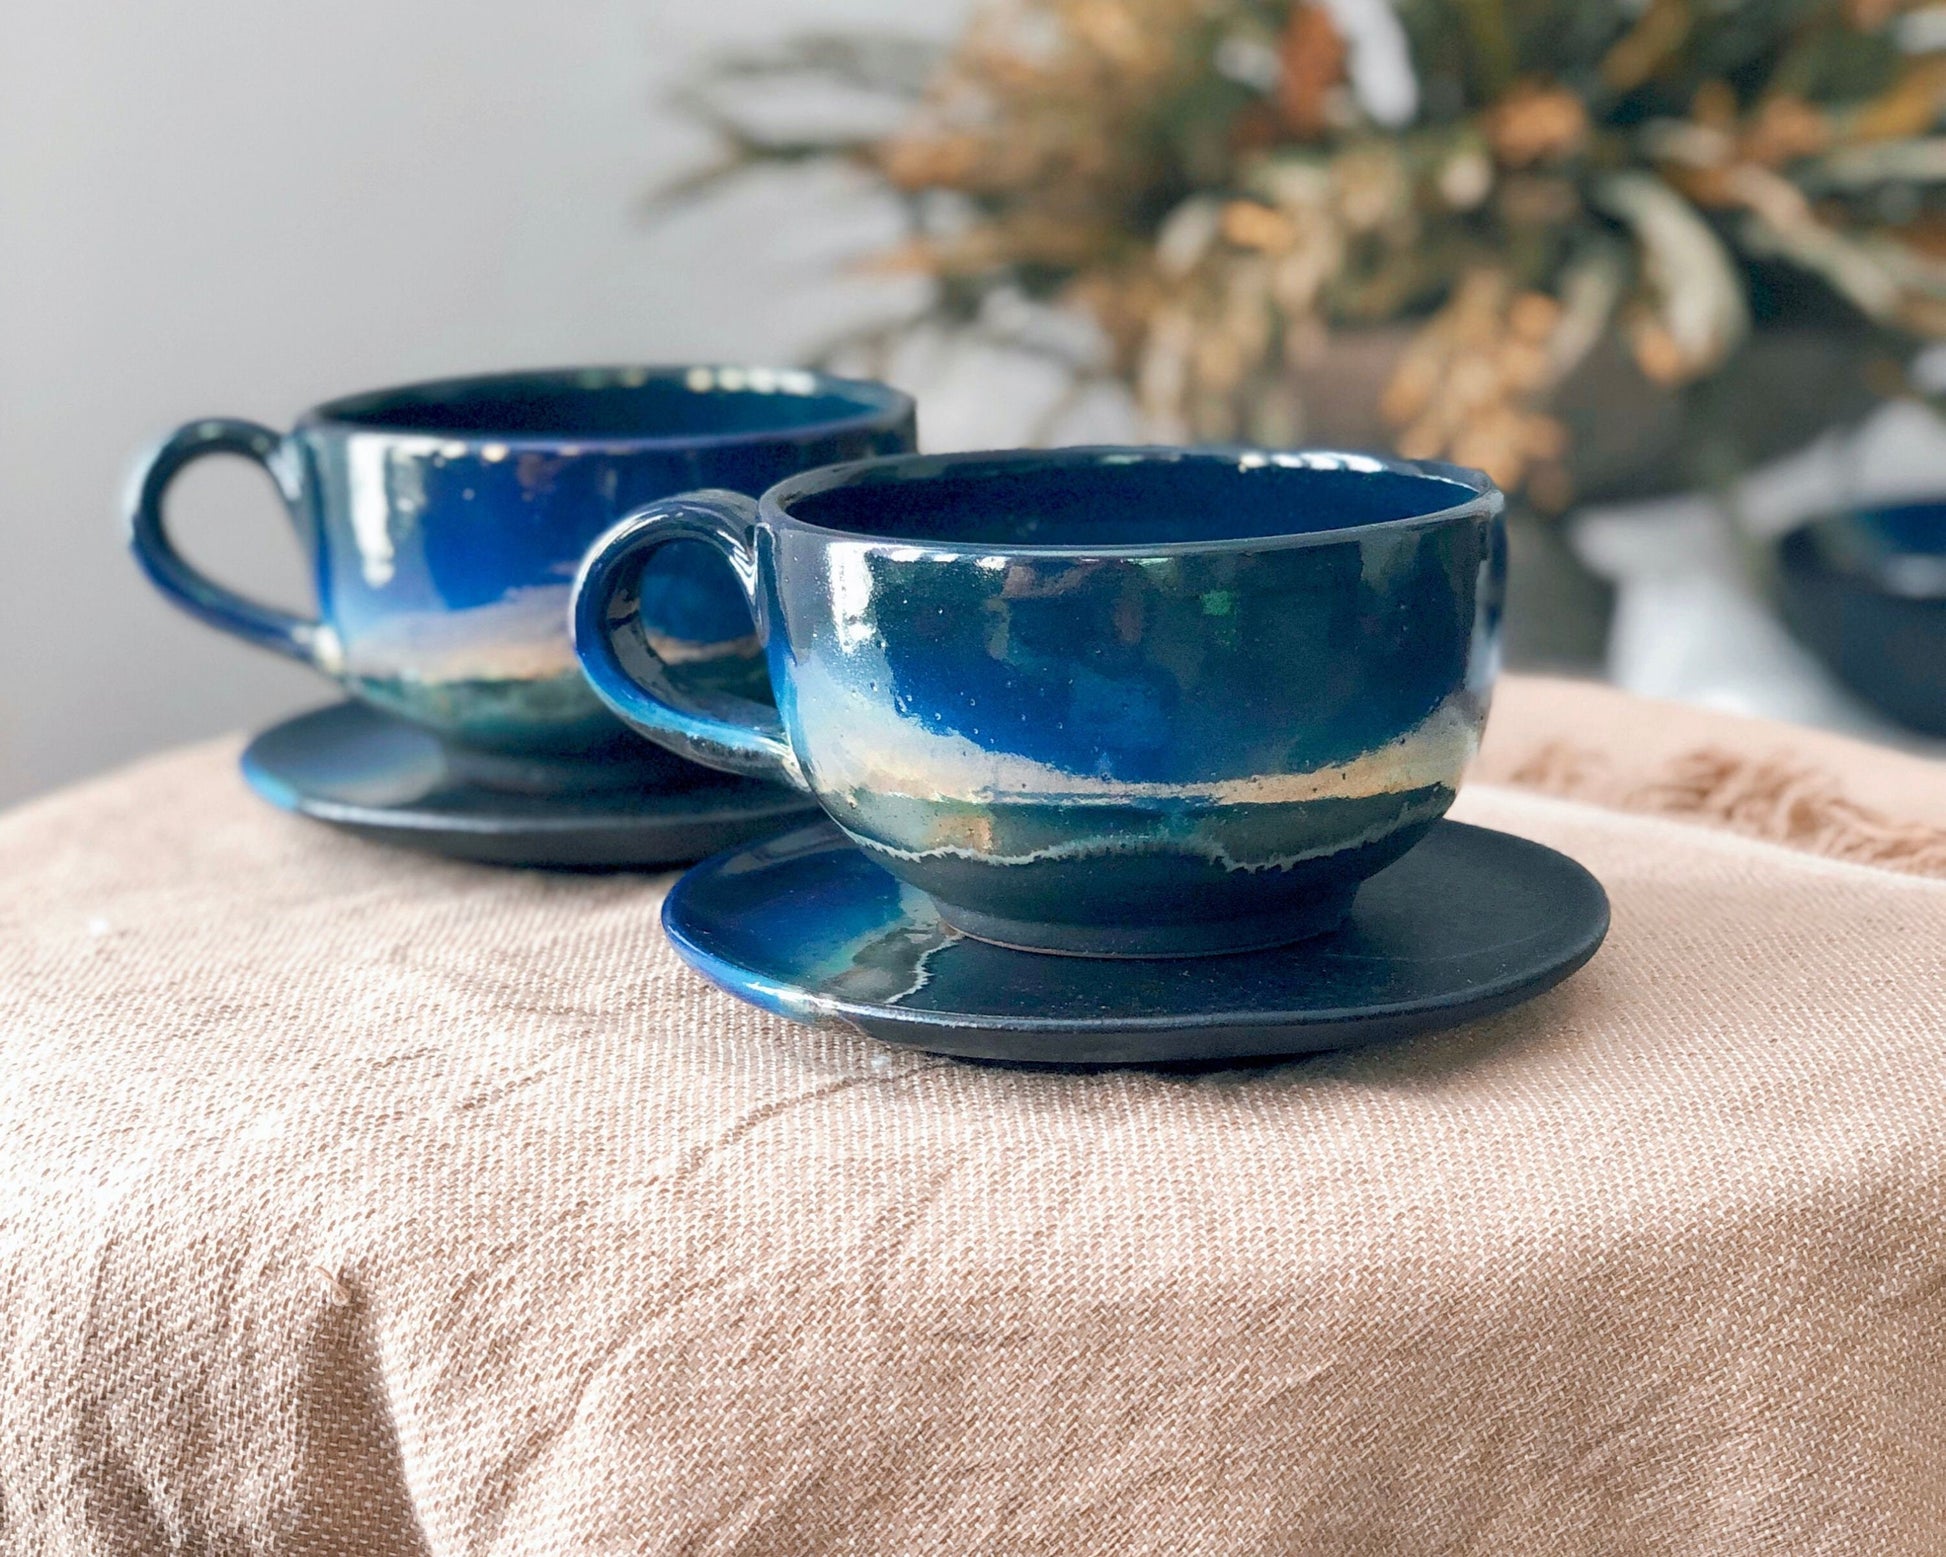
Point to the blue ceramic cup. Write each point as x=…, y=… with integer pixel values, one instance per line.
x=445, y=521
x=1111, y=702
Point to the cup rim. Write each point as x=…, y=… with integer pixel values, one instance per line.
x=876, y=407
x=1486, y=501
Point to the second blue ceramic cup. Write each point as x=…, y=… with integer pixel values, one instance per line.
x=444, y=522
x=1111, y=702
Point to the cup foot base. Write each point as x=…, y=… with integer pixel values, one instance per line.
x=1318, y=915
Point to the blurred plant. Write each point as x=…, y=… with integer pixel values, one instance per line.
x=1222, y=185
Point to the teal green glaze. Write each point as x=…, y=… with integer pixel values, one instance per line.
x=1113, y=701
x=444, y=523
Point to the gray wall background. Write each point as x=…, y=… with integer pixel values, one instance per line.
x=240, y=207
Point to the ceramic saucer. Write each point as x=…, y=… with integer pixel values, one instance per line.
x=369, y=774
x=803, y=924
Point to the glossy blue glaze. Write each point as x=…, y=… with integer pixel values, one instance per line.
x=445, y=521
x=1109, y=701
x=806, y=926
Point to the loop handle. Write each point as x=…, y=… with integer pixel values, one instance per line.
x=717, y=729
x=194, y=591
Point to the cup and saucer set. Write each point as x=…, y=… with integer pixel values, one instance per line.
x=1087, y=756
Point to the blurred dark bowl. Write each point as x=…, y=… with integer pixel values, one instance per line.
x=1866, y=592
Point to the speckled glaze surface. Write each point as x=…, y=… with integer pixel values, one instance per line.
x=805, y=925
x=1117, y=702
x=445, y=522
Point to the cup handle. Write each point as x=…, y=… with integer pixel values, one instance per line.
x=201, y=596
x=717, y=729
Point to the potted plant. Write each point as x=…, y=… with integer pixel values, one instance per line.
x=1601, y=251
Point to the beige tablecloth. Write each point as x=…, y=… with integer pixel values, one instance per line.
x=352, y=1202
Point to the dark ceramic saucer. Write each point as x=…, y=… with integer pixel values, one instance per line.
x=369, y=774
x=1470, y=922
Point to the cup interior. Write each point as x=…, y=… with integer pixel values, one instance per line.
x=678, y=404
x=1127, y=498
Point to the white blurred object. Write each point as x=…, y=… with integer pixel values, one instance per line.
x=1691, y=622
x=1899, y=455
x=1381, y=59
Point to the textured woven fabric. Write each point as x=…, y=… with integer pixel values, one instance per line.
x=357, y=1203
x=1804, y=788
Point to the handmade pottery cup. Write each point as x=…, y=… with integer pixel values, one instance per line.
x=444, y=522
x=1110, y=702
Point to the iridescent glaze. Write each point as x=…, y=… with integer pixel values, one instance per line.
x=445, y=522
x=1112, y=701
